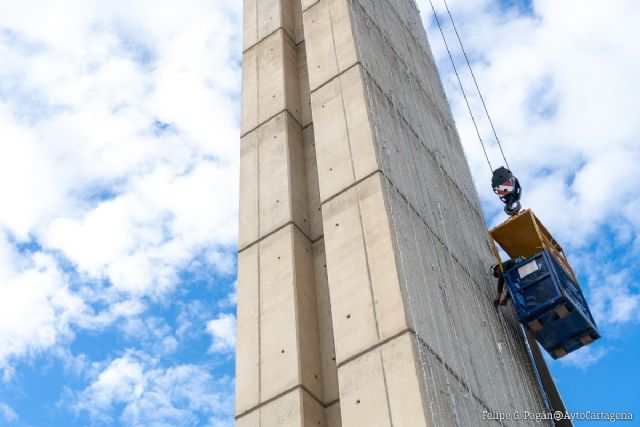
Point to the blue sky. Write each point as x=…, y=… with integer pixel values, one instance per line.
x=119, y=153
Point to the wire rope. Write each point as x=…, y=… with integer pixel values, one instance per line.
x=475, y=81
x=464, y=94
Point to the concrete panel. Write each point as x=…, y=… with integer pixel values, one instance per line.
x=249, y=117
x=291, y=81
x=249, y=205
x=450, y=404
x=274, y=174
x=303, y=78
x=294, y=409
x=248, y=327
x=270, y=81
x=313, y=413
x=271, y=76
x=474, y=331
x=383, y=387
x=269, y=17
x=279, y=355
x=333, y=152
x=363, y=395
x=344, y=140
x=333, y=416
x=403, y=155
x=249, y=23
x=285, y=411
x=428, y=292
x=325, y=325
x=361, y=268
x=434, y=291
x=252, y=419
x=313, y=190
x=385, y=283
x=297, y=22
x=388, y=43
x=298, y=177
x=440, y=391
x=261, y=18
x=307, y=316
x=415, y=171
x=287, y=16
x=352, y=310
x=273, y=180
x=419, y=268
x=306, y=4
x=403, y=380
x=330, y=40
x=358, y=122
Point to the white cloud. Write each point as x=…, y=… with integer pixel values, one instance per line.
x=616, y=300
x=223, y=332
x=584, y=357
x=123, y=380
x=118, y=160
x=231, y=299
x=7, y=413
x=36, y=305
x=76, y=365
x=152, y=395
x=152, y=334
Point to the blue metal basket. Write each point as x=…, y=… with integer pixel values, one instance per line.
x=550, y=305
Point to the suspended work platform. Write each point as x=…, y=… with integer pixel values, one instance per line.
x=543, y=286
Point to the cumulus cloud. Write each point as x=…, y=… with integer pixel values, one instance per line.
x=7, y=413
x=231, y=299
x=36, y=304
x=584, y=357
x=223, y=332
x=118, y=160
x=616, y=297
x=151, y=332
x=143, y=393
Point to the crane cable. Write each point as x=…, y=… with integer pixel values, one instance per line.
x=484, y=105
x=475, y=81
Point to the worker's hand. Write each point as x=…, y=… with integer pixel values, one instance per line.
x=496, y=300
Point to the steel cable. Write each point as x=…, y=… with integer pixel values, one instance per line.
x=464, y=94
x=475, y=81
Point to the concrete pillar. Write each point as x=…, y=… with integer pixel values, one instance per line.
x=363, y=297
x=285, y=368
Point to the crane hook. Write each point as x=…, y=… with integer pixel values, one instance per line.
x=507, y=187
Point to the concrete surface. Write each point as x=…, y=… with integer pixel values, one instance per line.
x=363, y=292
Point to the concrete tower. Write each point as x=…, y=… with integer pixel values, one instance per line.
x=363, y=292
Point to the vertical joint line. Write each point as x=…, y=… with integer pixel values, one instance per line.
x=259, y=131
x=386, y=389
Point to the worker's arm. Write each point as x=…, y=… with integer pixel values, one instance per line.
x=507, y=265
x=496, y=300
x=505, y=299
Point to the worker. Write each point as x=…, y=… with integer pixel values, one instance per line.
x=498, y=273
